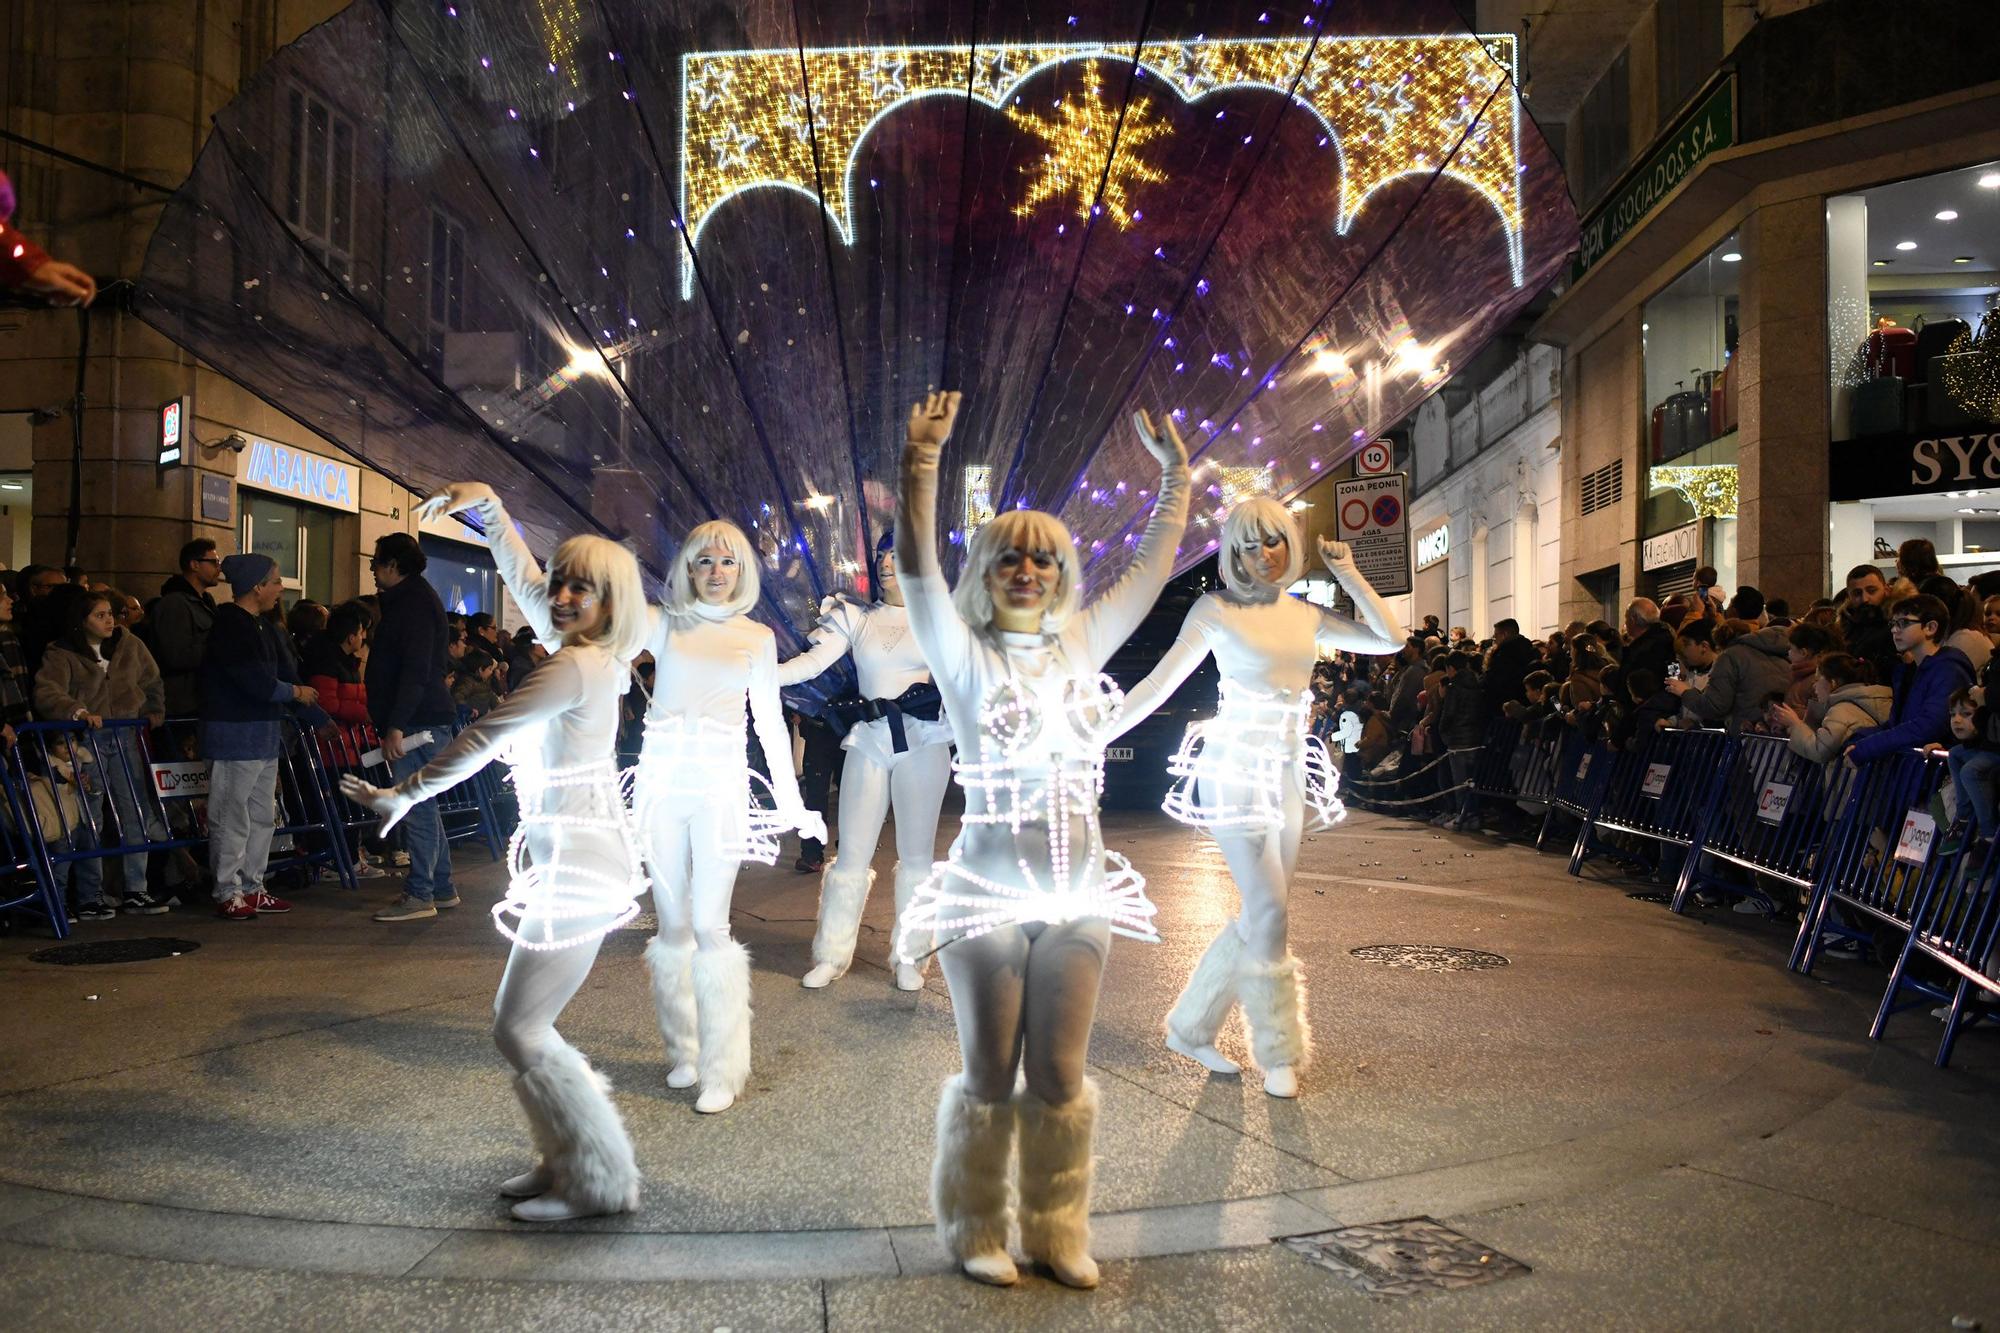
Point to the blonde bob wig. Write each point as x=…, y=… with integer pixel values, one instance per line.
x=682, y=599
x=611, y=571
x=1011, y=530
x=1250, y=522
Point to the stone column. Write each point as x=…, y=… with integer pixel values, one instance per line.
x=1783, y=432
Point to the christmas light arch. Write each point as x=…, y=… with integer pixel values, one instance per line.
x=746, y=125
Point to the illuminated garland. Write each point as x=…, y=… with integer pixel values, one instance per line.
x=1234, y=769
x=1709, y=488
x=1970, y=371
x=1388, y=106
x=557, y=894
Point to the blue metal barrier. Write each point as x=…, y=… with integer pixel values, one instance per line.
x=1956, y=924
x=1580, y=771
x=467, y=810
x=19, y=861
x=1883, y=852
x=1774, y=816
x=1493, y=769
x=1640, y=796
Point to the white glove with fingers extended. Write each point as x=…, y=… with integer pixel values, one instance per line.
x=388, y=802
x=811, y=825
x=457, y=498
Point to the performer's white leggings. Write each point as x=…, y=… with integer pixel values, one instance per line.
x=915, y=786
x=1024, y=998
x=534, y=990
x=1261, y=862
x=693, y=878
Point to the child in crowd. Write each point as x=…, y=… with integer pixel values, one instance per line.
x=1975, y=762
x=1654, y=708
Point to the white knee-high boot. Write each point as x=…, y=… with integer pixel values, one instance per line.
x=1205, y=1002
x=1056, y=1171
x=673, y=1005
x=1274, y=1000
x=843, y=893
x=972, y=1181
x=722, y=1012
x=588, y=1154
x=909, y=976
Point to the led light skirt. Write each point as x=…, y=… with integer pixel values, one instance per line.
x=957, y=903
x=1393, y=107
x=565, y=900
x=1233, y=769
x=704, y=765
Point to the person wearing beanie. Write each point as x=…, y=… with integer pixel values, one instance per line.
x=247, y=683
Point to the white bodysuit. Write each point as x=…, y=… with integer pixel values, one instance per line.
x=887, y=661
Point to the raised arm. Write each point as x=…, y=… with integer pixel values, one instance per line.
x=549, y=692
x=947, y=642
x=518, y=567
x=830, y=641
x=1377, y=633
x=1178, y=663
x=1110, y=620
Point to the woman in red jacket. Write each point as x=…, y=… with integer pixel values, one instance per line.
x=332, y=666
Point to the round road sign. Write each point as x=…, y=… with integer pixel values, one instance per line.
x=1373, y=458
x=1387, y=510
x=1354, y=514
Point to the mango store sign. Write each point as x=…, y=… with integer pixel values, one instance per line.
x=303, y=476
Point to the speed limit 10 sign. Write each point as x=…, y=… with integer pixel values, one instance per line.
x=1373, y=459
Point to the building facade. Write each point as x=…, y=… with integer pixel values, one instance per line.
x=1772, y=357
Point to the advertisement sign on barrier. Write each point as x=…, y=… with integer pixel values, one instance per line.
x=1919, y=830
x=1583, y=769
x=181, y=780
x=1772, y=800
x=1655, y=783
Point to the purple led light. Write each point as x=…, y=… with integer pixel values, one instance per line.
x=1170, y=341
x=1246, y=138
x=1317, y=427
x=1179, y=366
x=1201, y=287
x=1358, y=434
x=1129, y=307
x=1312, y=464
x=1256, y=439
x=484, y=63
x=1159, y=252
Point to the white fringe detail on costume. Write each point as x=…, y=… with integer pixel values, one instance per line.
x=1233, y=769
x=559, y=891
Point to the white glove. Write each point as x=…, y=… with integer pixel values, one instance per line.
x=1338, y=557
x=457, y=498
x=1164, y=445
x=389, y=802
x=810, y=824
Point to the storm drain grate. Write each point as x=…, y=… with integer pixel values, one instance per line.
x=99, y=952
x=1428, y=957
x=1417, y=1254
x=1647, y=897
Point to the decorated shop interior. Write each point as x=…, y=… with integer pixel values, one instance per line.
x=1688, y=335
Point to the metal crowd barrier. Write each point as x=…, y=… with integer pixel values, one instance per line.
x=1956, y=925
x=1883, y=853
x=1640, y=797
x=1774, y=815
x=468, y=810
x=20, y=860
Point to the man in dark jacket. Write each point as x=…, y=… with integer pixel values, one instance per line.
x=1751, y=668
x=1404, y=710
x=407, y=698
x=1462, y=731
x=1512, y=658
x=247, y=684
x=179, y=622
x=1649, y=643
x=1922, y=710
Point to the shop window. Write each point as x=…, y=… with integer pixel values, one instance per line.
x=298, y=537
x=319, y=177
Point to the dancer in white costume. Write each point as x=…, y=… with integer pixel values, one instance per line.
x=574, y=870
x=895, y=760
x=1251, y=774
x=1024, y=903
x=693, y=797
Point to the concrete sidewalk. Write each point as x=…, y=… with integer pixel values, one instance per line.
x=300, y=1124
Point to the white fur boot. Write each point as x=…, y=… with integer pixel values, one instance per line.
x=843, y=893
x=1056, y=1171
x=589, y=1155
x=1274, y=1000
x=909, y=976
x=548, y=1147
x=972, y=1182
x=1205, y=1003
x=673, y=1004
x=722, y=1011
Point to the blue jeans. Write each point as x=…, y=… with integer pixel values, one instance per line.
x=120, y=774
x=1975, y=773
x=430, y=851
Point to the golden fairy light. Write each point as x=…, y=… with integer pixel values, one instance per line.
x=1387, y=107
x=1709, y=488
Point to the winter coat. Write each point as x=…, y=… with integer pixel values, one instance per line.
x=1506, y=667
x=1746, y=674
x=1375, y=739
x=1638, y=723
x=1978, y=649
x=1403, y=707
x=1849, y=709
x=246, y=687
x=1652, y=650
x=473, y=693
x=1461, y=716
x=406, y=689
x=179, y=621
x=1866, y=632
x=337, y=677
x=15, y=682
x=1922, y=710
x=125, y=684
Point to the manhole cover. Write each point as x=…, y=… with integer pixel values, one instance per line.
x=112, y=951
x=1405, y=1258
x=1647, y=897
x=1428, y=957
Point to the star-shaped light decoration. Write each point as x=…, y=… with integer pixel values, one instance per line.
x=1709, y=488
x=1077, y=138
x=712, y=84
x=886, y=78
x=799, y=120
x=1191, y=69
x=1389, y=103
x=732, y=147
x=997, y=75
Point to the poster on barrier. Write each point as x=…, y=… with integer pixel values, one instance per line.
x=1772, y=800
x=1583, y=769
x=181, y=780
x=1919, y=829
x=1655, y=784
